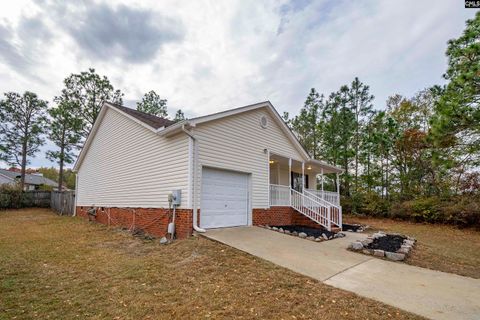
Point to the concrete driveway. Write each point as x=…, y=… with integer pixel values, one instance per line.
x=432, y=294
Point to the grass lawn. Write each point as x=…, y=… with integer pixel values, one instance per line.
x=55, y=267
x=439, y=247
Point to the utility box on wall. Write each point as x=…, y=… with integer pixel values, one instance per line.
x=175, y=197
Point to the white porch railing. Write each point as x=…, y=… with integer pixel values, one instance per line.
x=279, y=195
x=311, y=208
x=335, y=210
x=328, y=196
x=307, y=203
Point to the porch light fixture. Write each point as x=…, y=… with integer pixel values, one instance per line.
x=271, y=161
x=309, y=168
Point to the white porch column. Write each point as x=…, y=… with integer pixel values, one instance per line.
x=323, y=196
x=338, y=186
x=303, y=176
x=340, y=218
x=290, y=180
x=268, y=175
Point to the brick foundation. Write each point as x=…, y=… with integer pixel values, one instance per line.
x=153, y=221
x=281, y=216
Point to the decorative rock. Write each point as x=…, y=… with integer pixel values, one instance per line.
x=311, y=238
x=378, y=235
x=404, y=250
x=302, y=235
x=408, y=242
x=340, y=235
x=367, y=251
x=295, y=233
x=366, y=242
x=163, y=240
x=268, y=227
x=324, y=236
x=395, y=256
x=357, y=245
x=379, y=253
x=275, y=228
x=287, y=231
x=318, y=239
x=281, y=230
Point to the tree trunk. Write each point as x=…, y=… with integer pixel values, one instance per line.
x=61, y=162
x=23, y=164
x=60, y=171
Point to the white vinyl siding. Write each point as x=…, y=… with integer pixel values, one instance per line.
x=237, y=143
x=128, y=165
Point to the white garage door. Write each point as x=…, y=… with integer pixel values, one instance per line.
x=224, y=201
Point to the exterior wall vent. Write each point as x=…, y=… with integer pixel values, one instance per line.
x=263, y=122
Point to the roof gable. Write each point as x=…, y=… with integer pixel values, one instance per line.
x=166, y=127
x=173, y=129
x=151, y=120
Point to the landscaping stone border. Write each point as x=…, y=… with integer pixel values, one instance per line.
x=303, y=235
x=354, y=227
x=399, y=255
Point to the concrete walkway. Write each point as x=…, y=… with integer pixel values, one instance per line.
x=432, y=294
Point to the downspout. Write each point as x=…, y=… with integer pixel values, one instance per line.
x=194, y=173
x=76, y=194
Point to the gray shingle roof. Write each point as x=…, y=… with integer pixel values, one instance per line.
x=151, y=120
x=29, y=178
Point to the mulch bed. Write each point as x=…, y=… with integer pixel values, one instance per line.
x=311, y=232
x=387, y=243
x=353, y=227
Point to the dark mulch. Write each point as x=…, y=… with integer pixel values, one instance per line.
x=309, y=231
x=387, y=243
x=351, y=227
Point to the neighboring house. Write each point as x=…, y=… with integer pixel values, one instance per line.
x=33, y=181
x=238, y=167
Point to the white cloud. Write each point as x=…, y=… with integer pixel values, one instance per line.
x=237, y=52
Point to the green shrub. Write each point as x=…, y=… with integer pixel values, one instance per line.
x=374, y=205
x=10, y=197
x=463, y=211
x=419, y=210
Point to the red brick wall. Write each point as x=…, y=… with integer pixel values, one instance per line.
x=281, y=216
x=274, y=216
x=153, y=221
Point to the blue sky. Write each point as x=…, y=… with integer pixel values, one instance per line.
x=207, y=56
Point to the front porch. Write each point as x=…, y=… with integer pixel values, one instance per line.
x=307, y=188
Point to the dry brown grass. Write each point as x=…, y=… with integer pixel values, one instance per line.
x=55, y=267
x=439, y=247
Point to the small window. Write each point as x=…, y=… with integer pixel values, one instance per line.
x=263, y=122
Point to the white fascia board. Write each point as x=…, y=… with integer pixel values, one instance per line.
x=323, y=164
x=143, y=124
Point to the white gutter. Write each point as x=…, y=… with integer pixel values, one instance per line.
x=194, y=173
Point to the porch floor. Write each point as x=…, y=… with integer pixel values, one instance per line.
x=433, y=294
